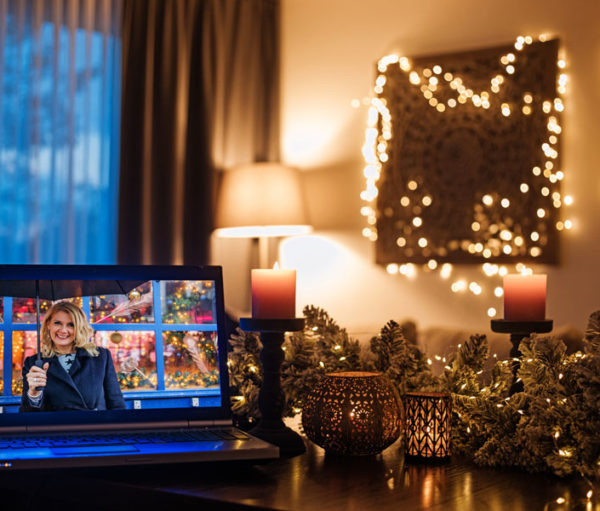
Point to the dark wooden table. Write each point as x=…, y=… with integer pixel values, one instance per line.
x=312, y=481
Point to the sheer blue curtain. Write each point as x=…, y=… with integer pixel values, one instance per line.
x=60, y=79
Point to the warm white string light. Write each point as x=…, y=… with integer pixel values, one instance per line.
x=431, y=81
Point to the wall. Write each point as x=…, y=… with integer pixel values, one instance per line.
x=329, y=50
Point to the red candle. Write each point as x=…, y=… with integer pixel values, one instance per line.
x=274, y=294
x=525, y=297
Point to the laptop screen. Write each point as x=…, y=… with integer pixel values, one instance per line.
x=117, y=343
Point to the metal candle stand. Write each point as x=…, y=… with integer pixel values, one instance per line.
x=518, y=330
x=270, y=398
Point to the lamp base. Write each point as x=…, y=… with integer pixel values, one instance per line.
x=518, y=330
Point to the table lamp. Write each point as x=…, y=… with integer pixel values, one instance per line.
x=259, y=201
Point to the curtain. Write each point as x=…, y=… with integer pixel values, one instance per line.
x=59, y=130
x=200, y=82
x=241, y=76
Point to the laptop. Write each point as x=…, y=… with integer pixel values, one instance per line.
x=162, y=329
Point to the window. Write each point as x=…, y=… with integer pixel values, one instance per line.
x=59, y=131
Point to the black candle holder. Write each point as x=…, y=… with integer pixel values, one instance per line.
x=518, y=330
x=270, y=398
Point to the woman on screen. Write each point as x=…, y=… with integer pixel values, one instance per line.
x=76, y=374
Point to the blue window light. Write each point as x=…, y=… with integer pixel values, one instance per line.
x=60, y=82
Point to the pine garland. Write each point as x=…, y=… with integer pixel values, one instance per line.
x=553, y=425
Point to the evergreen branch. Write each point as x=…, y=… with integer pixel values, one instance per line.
x=553, y=425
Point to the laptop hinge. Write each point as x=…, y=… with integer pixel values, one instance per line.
x=208, y=423
x=106, y=427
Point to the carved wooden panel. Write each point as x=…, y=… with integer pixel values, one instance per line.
x=471, y=172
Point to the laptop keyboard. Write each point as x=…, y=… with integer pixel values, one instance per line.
x=153, y=437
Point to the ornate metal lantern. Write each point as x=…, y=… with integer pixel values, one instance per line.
x=356, y=413
x=428, y=416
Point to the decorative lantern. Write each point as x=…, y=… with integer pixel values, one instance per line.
x=356, y=413
x=428, y=416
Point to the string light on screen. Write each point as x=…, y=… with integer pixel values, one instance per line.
x=434, y=83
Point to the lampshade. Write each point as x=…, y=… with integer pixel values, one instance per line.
x=261, y=199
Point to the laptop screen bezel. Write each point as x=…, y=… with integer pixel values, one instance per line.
x=128, y=272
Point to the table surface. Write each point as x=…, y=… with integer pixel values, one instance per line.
x=312, y=481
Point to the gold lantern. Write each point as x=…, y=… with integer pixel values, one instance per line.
x=428, y=416
x=356, y=413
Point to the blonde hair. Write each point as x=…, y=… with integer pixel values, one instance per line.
x=83, y=330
